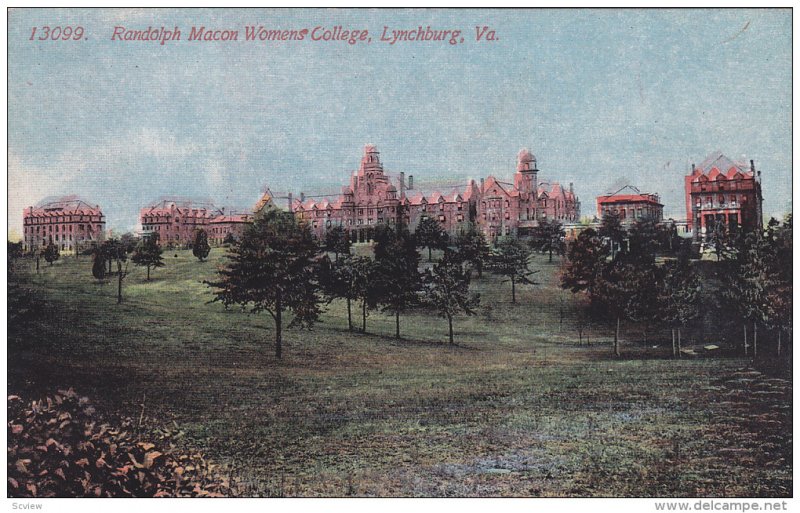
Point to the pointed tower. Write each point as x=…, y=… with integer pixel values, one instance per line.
x=525, y=177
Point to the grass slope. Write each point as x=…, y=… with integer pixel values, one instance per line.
x=516, y=408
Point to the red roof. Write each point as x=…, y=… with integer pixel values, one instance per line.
x=627, y=198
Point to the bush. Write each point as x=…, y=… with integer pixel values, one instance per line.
x=60, y=447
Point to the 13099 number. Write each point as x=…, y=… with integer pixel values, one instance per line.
x=57, y=33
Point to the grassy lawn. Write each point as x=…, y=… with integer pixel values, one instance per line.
x=516, y=408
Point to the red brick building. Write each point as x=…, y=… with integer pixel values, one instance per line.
x=496, y=207
x=631, y=205
x=230, y=224
x=68, y=222
x=721, y=191
x=174, y=220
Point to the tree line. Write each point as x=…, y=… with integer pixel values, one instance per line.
x=616, y=269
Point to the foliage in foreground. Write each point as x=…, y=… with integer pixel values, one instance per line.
x=60, y=447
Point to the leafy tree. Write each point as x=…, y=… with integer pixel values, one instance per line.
x=148, y=254
x=271, y=269
x=510, y=259
x=14, y=253
x=337, y=240
x=473, y=249
x=758, y=283
x=384, y=239
x=678, y=297
x=397, y=278
x=99, y=265
x=446, y=288
x=548, y=237
x=51, y=253
x=114, y=251
x=643, y=240
x=129, y=242
x=586, y=256
x=625, y=290
x=229, y=239
x=723, y=241
x=349, y=279
x=429, y=233
x=201, y=248
x=611, y=228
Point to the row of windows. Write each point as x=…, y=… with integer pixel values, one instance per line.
x=58, y=228
x=61, y=219
x=720, y=200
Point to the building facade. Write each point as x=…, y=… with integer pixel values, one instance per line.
x=721, y=192
x=69, y=222
x=174, y=220
x=223, y=226
x=497, y=208
x=631, y=205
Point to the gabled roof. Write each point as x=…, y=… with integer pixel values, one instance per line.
x=717, y=166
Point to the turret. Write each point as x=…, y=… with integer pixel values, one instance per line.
x=525, y=178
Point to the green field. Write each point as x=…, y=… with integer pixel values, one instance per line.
x=516, y=408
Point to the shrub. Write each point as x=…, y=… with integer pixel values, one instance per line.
x=60, y=447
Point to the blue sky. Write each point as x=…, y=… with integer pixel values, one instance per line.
x=601, y=97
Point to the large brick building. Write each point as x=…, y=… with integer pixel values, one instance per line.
x=722, y=192
x=174, y=220
x=631, y=204
x=69, y=222
x=222, y=226
x=496, y=207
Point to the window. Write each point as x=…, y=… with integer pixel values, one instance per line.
x=442, y=219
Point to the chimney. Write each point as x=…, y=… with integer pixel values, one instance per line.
x=402, y=184
x=692, y=167
x=290, y=201
x=410, y=182
x=570, y=188
x=302, y=197
x=481, y=185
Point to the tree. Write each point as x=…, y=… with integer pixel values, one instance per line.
x=51, y=253
x=337, y=240
x=758, y=282
x=384, y=239
x=397, y=278
x=723, y=241
x=201, y=248
x=129, y=242
x=586, y=256
x=643, y=240
x=349, y=279
x=429, y=233
x=148, y=254
x=472, y=248
x=549, y=238
x=510, y=259
x=446, y=289
x=612, y=229
x=99, y=265
x=625, y=290
x=114, y=252
x=678, y=297
x=14, y=253
x=271, y=269
x=229, y=239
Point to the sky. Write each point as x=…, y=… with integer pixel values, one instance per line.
x=603, y=98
